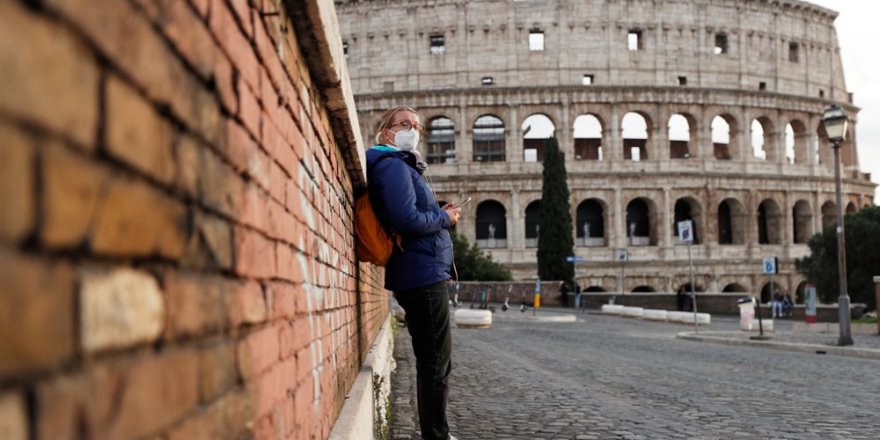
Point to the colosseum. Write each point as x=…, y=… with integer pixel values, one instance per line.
x=702, y=110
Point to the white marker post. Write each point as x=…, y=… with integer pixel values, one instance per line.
x=686, y=234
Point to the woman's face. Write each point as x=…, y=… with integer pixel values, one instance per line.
x=403, y=120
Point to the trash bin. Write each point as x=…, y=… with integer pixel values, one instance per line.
x=746, y=313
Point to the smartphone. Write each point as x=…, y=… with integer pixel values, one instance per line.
x=459, y=205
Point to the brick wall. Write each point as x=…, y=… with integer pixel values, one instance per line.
x=176, y=253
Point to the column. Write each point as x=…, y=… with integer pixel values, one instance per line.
x=666, y=220
x=464, y=147
x=788, y=225
x=617, y=234
x=516, y=231
x=614, y=149
x=565, y=132
x=513, y=143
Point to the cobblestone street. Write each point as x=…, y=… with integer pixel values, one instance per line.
x=610, y=377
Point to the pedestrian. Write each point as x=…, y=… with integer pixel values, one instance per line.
x=776, y=304
x=563, y=293
x=577, y=296
x=418, y=269
x=679, y=299
x=787, y=305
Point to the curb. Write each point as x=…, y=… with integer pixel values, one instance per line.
x=557, y=317
x=863, y=353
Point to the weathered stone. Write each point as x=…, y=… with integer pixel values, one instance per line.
x=16, y=183
x=119, y=308
x=13, y=419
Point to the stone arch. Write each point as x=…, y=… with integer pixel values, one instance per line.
x=734, y=288
x=688, y=208
x=533, y=214
x=491, y=224
x=536, y=129
x=682, y=133
x=763, y=142
x=591, y=215
x=767, y=293
x=725, y=136
x=800, y=293
x=829, y=214
x=440, y=142
x=641, y=227
x=594, y=289
x=488, y=139
x=635, y=129
x=588, y=133
x=802, y=223
x=643, y=289
x=769, y=222
x=731, y=222
x=797, y=139
x=851, y=208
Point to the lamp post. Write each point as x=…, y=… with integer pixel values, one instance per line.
x=835, y=122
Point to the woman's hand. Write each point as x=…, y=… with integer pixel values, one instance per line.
x=453, y=213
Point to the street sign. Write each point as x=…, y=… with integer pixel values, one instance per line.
x=621, y=255
x=810, y=303
x=574, y=258
x=770, y=265
x=685, y=231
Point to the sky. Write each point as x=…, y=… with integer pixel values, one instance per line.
x=859, y=35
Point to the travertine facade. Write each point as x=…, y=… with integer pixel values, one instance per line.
x=728, y=95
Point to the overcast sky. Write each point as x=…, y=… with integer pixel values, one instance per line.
x=859, y=36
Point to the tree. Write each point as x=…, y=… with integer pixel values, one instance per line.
x=555, y=240
x=862, y=258
x=473, y=264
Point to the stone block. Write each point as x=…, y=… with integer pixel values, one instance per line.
x=136, y=134
x=36, y=313
x=16, y=183
x=119, y=308
x=217, y=371
x=52, y=80
x=13, y=418
x=72, y=186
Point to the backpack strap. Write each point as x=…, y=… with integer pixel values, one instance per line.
x=395, y=238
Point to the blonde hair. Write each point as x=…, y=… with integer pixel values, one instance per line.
x=387, y=118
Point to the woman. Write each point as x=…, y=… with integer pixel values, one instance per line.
x=418, y=269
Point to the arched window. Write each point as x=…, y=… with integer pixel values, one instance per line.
x=769, y=223
x=536, y=130
x=723, y=132
x=762, y=139
x=491, y=225
x=687, y=209
x=533, y=228
x=488, y=139
x=635, y=137
x=590, y=223
x=734, y=287
x=588, y=138
x=680, y=127
x=796, y=140
x=644, y=289
x=803, y=221
x=639, y=230
x=730, y=222
x=851, y=208
x=441, y=140
x=829, y=214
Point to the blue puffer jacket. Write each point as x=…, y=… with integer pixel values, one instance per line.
x=404, y=203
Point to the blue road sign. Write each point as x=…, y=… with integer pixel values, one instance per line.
x=573, y=258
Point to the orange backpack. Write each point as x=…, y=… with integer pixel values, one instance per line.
x=374, y=245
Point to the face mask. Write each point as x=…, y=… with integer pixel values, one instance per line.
x=406, y=140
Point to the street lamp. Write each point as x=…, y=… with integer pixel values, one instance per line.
x=835, y=122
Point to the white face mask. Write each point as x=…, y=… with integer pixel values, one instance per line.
x=406, y=140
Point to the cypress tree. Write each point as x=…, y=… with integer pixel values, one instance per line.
x=555, y=241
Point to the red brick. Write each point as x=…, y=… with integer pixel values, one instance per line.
x=196, y=304
x=254, y=254
x=278, y=179
x=249, y=110
x=156, y=391
x=233, y=42
x=136, y=134
x=259, y=165
x=255, y=209
x=295, y=336
x=134, y=219
x=211, y=245
x=249, y=306
x=243, y=12
x=220, y=188
x=256, y=352
x=202, y=6
x=187, y=31
x=224, y=80
x=224, y=418
x=238, y=145
x=288, y=264
x=287, y=300
x=217, y=370
x=277, y=217
x=188, y=155
x=36, y=314
x=16, y=184
x=52, y=80
x=268, y=51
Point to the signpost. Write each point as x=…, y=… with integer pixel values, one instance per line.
x=769, y=266
x=686, y=234
x=537, y=301
x=622, y=256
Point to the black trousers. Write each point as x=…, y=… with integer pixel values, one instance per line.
x=427, y=318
